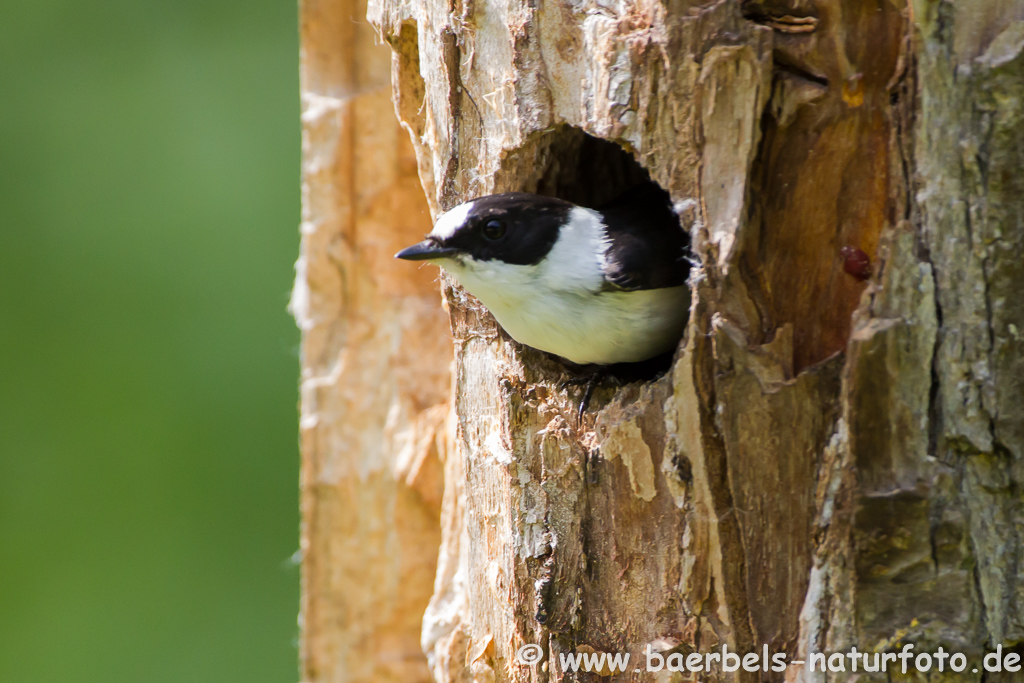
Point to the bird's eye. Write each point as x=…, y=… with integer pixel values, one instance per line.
x=494, y=230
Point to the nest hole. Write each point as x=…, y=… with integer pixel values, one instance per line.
x=589, y=171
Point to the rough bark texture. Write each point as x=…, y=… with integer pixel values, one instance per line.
x=834, y=457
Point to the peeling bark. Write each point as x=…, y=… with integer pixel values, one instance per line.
x=835, y=455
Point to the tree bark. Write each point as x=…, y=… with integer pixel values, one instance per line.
x=835, y=455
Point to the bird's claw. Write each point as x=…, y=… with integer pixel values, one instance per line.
x=587, y=393
x=589, y=379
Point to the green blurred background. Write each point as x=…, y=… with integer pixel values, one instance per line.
x=149, y=160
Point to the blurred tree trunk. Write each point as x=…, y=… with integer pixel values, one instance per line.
x=375, y=366
x=834, y=458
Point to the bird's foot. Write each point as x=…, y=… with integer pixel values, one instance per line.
x=589, y=380
x=587, y=393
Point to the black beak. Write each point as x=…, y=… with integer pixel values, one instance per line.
x=425, y=251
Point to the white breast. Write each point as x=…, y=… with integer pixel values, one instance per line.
x=604, y=328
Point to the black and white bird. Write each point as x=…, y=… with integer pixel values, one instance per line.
x=597, y=287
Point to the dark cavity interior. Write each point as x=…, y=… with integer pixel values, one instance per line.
x=588, y=171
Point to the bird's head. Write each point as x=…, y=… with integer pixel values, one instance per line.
x=514, y=228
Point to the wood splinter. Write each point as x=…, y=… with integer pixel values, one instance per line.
x=791, y=24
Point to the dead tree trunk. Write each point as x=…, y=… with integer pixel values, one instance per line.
x=834, y=458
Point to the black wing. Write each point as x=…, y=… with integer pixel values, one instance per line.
x=649, y=249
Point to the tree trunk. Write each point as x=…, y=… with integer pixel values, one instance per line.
x=375, y=366
x=833, y=459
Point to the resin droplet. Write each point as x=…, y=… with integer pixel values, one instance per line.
x=856, y=262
